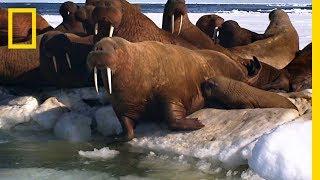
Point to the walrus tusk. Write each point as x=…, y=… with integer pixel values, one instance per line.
x=55, y=63
x=95, y=76
x=68, y=13
x=111, y=31
x=109, y=79
x=68, y=60
x=96, y=26
x=172, y=23
x=181, y=19
x=215, y=33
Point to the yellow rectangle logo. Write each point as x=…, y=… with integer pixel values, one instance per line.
x=33, y=13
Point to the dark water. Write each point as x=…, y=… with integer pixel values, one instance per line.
x=53, y=8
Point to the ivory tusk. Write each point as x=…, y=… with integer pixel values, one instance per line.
x=172, y=23
x=111, y=31
x=109, y=74
x=215, y=33
x=96, y=26
x=95, y=76
x=180, y=27
x=68, y=60
x=55, y=63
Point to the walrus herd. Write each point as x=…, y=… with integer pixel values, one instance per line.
x=151, y=73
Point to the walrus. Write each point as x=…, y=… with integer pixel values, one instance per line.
x=232, y=35
x=210, y=24
x=281, y=46
x=21, y=27
x=300, y=70
x=148, y=80
x=70, y=23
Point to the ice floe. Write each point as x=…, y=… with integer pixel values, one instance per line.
x=104, y=153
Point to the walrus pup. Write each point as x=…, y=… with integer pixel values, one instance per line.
x=210, y=25
x=300, y=70
x=170, y=79
x=232, y=35
x=281, y=46
x=70, y=24
x=21, y=27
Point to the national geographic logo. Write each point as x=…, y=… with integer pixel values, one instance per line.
x=11, y=12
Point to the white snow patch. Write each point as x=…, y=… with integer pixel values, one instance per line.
x=104, y=153
x=17, y=111
x=285, y=153
x=107, y=121
x=73, y=127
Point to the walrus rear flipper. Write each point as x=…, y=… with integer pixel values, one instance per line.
x=235, y=94
x=176, y=116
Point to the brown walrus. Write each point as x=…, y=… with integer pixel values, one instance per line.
x=169, y=82
x=281, y=46
x=70, y=24
x=300, y=70
x=210, y=25
x=232, y=35
x=21, y=27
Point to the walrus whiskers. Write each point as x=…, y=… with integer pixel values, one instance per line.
x=68, y=60
x=55, y=63
x=172, y=23
x=180, y=27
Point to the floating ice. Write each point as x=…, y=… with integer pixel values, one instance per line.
x=48, y=113
x=17, y=111
x=107, y=121
x=104, y=153
x=73, y=127
x=285, y=153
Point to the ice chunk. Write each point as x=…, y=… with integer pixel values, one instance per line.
x=48, y=113
x=104, y=153
x=73, y=127
x=17, y=111
x=285, y=153
x=107, y=121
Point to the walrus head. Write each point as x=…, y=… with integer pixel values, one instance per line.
x=210, y=25
x=173, y=9
x=107, y=18
x=104, y=57
x=68, y=9
x=227, y=32
x=278, y=14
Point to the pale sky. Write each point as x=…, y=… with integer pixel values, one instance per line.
x=188, y=1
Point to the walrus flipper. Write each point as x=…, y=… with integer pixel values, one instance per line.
x=235, y=94
x=177, y=118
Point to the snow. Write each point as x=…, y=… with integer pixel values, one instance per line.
x=73, y=127
x=107, y=121
x=255, y=21
x=104, y=153
x=284, y=153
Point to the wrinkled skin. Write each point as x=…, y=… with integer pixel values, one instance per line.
x=232, y=35
x=21, y=27
x=281, y=46
x=162, y=81
x=208, y=23
x=300, y=70
x=71, y=23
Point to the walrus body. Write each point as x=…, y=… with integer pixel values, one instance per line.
x=281, y=46
x=300, y=70
x=21, y=27
x=158, y=80
x=232, y=35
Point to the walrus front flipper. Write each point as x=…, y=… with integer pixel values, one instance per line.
x=177, y=120
x=236, y=94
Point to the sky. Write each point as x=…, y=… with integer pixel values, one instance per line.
x=188, y=1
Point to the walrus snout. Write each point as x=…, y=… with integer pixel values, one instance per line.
x=68, y=9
